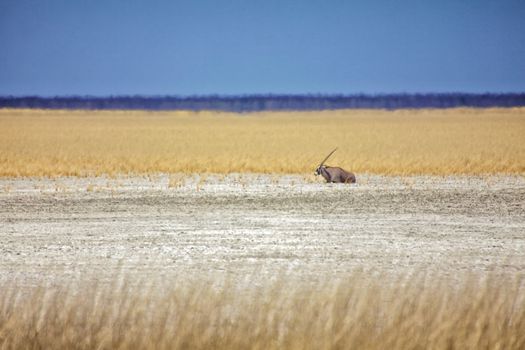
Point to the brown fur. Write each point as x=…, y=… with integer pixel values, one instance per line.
x=335, y=174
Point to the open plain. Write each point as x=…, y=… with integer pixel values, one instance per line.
x=54, y=228
x=204, y=230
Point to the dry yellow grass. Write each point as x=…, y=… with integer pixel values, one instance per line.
x=415, y=312
x=403, y=142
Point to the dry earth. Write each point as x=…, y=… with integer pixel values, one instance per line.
x=53, y=230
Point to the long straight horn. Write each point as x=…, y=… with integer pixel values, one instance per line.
x=328, y=156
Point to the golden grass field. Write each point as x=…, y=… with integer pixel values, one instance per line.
x=401, y=142
x=417, y=311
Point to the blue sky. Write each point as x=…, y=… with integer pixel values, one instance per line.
x=246, y=47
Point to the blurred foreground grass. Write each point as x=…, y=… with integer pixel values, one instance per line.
x=416, y=311
x=401, y=142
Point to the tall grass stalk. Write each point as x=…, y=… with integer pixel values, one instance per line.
x=358, y=312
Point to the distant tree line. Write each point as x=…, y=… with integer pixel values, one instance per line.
x=249, y=103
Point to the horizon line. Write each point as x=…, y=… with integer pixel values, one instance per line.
x=269, y=94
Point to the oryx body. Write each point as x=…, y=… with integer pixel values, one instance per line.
x=334, y=174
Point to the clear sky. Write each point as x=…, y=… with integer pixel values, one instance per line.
x=79, y=47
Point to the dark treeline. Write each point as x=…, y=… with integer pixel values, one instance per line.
x=247, y=103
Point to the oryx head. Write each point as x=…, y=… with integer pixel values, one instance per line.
x=318, y=170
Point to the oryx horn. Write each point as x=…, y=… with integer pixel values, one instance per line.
x=328, y=156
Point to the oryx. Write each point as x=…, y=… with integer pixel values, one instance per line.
x=334, y=174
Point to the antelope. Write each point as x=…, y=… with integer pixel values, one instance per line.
x=334, y=174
